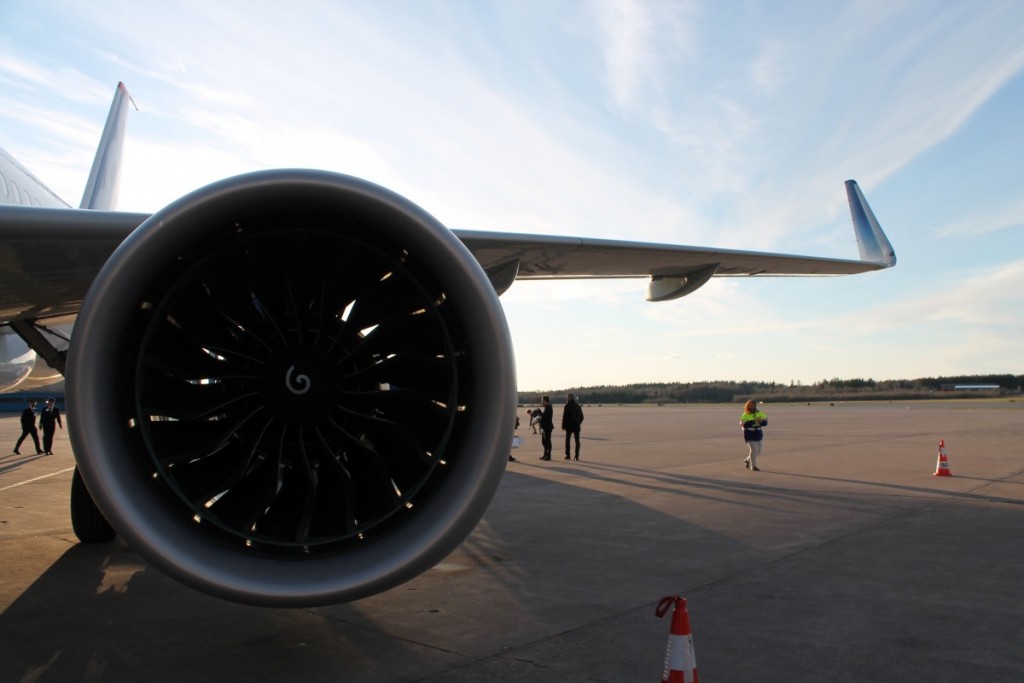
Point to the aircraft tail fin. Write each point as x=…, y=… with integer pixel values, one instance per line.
x=101, y=189
x=874, y=246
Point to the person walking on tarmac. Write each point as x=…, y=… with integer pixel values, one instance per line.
x=49, y=420
x=751, y=422
x=547, y=425
x=28, y=428
x=572, y=419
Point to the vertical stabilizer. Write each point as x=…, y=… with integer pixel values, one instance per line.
x=101, y=190
x=873, y=244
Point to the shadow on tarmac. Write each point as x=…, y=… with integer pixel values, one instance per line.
x=100, y=613
x=12, y=461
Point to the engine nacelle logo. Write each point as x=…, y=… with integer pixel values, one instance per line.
x=299, y=385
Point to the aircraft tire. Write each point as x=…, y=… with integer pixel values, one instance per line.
x=88, y=522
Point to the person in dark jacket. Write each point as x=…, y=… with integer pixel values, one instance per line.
x=751, y=422
x=572, y=419
x=49, y=420
x=28, y=428
x=547, y=425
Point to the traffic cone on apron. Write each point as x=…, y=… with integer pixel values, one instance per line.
x=680, y=660
x=942, y=466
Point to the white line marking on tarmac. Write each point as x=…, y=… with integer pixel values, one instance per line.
x=29, y=481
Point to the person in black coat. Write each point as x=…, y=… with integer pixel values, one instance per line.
x=28, y=428
x=572, y=419
x=49, y=420
x=547, y=425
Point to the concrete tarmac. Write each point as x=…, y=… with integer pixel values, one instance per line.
x=844, y=559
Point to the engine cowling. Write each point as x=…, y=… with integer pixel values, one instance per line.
x=291, y=388
x=16, y=361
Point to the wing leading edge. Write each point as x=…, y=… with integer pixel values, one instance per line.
x=674, y=270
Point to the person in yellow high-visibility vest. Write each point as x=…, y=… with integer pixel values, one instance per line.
x=751, y=422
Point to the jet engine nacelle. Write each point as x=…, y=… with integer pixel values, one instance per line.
x=16, y=360
x=20, y=367
x=291, y=388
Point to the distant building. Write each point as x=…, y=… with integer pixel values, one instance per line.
x=969, y=387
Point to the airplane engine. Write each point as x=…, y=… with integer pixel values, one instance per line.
x=16, y=361
x=291, y=388
x=21, y=367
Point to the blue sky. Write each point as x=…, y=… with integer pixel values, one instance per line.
x=731, y=124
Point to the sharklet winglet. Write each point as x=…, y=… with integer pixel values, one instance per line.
x=874, y=246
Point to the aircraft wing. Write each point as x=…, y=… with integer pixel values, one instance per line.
x=674, y=270
x=50, y=257
x=553, y=258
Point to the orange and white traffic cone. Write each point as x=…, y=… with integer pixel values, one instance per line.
x=680, y=660
x=942, y=466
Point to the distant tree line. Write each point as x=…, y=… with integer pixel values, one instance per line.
x=826, y=390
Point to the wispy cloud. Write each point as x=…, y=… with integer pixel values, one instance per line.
x=994, y=220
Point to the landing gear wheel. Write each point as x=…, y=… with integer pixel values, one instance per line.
x=88, y=522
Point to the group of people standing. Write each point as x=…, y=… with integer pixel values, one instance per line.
x=752, y=423
x=572, y=420
x=49, y=420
